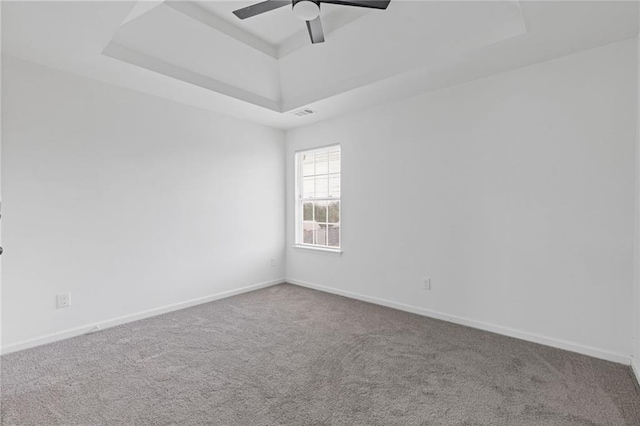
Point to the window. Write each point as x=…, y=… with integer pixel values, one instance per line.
x=318, y=198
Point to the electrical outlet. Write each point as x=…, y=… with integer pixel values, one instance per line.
x=274, y=262
x=426, y=283
x=63, y=300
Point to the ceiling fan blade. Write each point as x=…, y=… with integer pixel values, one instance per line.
x=258, y=8
x=315, y=31
x=372, y=4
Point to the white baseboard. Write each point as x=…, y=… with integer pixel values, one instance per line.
x=635, y=367
x=84, y=329
x=523, y=335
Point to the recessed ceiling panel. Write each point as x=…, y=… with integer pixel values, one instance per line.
x=273, y=27
x=278, y=26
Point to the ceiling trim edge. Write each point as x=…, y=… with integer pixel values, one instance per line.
x=122, y=53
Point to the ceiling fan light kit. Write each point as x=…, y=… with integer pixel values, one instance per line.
x=307, y=10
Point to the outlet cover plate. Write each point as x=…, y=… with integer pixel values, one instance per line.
x=63, y=300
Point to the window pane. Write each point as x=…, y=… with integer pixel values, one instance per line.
x=334, y=160
x=334, y=185
x=321, y=212
x=321, y=235
x=308, y=187
x=322, y=163
x=307, y=211
x=322, y=186
x=308, y=161
x=334, y=212
x=307, y=232
x=307, y=237
x=333, y=235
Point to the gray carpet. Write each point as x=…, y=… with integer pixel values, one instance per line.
x=289, y=355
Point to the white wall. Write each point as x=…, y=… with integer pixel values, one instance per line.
x=128, y=201
x=515, y=193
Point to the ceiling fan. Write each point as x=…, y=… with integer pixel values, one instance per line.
x=307, y=10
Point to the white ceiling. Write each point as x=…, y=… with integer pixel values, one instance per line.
x=278, y=26
x=261, y=26
x=260, y=69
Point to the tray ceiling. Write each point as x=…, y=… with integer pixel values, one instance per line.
x=268, y=60
x=264, y=68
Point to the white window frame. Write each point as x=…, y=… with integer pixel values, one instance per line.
x=299, y=202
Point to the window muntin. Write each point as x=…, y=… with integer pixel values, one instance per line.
x=318, y=198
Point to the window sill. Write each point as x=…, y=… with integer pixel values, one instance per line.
x=320, y=250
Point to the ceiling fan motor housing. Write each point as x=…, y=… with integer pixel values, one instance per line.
x=307, y=10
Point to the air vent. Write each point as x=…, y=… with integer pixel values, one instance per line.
x=303, y=112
